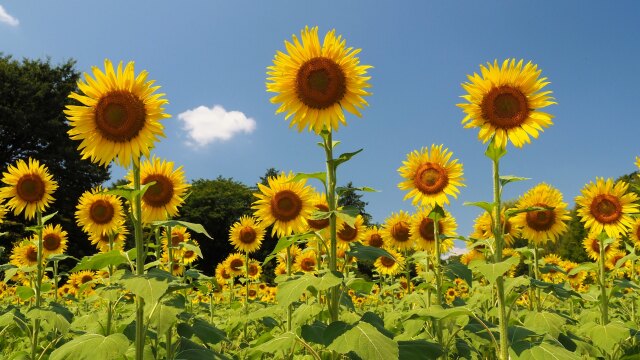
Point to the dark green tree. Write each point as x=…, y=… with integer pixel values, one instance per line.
x=350, y=196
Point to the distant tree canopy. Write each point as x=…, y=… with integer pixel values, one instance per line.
x=33, y=95
x=351, y=197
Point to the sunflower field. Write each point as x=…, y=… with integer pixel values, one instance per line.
x=499, y=300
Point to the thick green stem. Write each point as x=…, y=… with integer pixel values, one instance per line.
x=140, y=257
x=332, y=200
x=428, y=287
x=408, y=271
x=169, y=334
x=604, y=299
x=498, y=233
x=536, y=275
x=436, y=264
x=55, y=281
x=39, y=271
x=290, y=307
x=246, y=293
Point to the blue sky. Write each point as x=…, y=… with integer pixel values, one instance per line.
x=212, y=53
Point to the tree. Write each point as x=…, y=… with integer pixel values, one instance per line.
x=33, y=95
x=349, y=196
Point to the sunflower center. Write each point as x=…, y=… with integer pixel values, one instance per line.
x=176, y=239
x=51, y=242
x=30, y=188
x=236, y=264
x=376, y=241
x=505, y=107
x=606, y=208
x=286, y=205
x=101, y=212
x=540, y=220
x=387, y=262
x=188, y=254
x=160, y=193
x=431, y=178
x=320, y=83
x=224, y=274
x=400, y=231
x=347, y=233
x=253, y=270
x=322, y=223
x=308, y=264
x=85, y=279
x=120, y=115
x=247, y=235
x=31, y=254
x=427, y=228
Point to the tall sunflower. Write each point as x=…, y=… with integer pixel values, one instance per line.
x=54, y=240
x=395, y=230
x=315, y=83
x=179, y=235
x=119, y=116
x=246, y=235
x=235, y=264
x=161, y=200
x=306, y=262
x=29, y=187
x=421, y=228
x=431, y=176
x=284, y=203
x=605, y=206
x=98, y=212
x=504, y=102
x=540, y=226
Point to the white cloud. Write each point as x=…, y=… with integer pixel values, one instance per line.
x=6, y=18
x=455, y=251
x=206, y=125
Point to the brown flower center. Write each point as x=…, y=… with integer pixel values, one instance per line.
x=606, y=208
x=427, y=229
x=400, y=231
x=320, y=83
x=101, y=212
x=85, y=279
x=236, y=264
x=505, y=107
x=322, y=223
x=253, y=269
x=347, y=233
x=176, y=239
x=540, y=220
x=160, y=193
x=225, y=274
x=286, y=205
x=30, y=188
x=120, y=115
x=51, y=242
x=431, y=178
x=188, y=254
x=308, y=264
x=387, y=262
x=247, y=235
x=375, y=240
x=32, y=254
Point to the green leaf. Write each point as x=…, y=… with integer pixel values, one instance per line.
x=191, y=247
x=544, y=322
x=367, y=342
x=60, y=257
x=147, y=287
x=291, y=290
x=458, y=270
x=370, y=253
x=511, y=212
x=494, y=152
x=348, y=214
x=505, y=179
x=344, y=158
x=304, y=313
x=129, y=193
x=93, y=347
x=322, y=176
x=488, y=207
x=188, y=350
x=608, y=337
x=48, y=217
x=10, y=272
x=197, y=228
x=100, y=261
x=360, y=285
x=206, y=332
x=419, y=350
x=25, y=292
x=492, y=271
x=285, y=242
x=283, y=342
x=542, y=351
x=313, y=333
x=328, y=280
x=436, y=213
x=56, y=320
x=341, y=189
x=320, y=215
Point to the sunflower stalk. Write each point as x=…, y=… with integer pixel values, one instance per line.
x=604, y=300
x=137, y=224
x=332, y=200
x=498, y=233
x=290, y=307
x=169, y=334
x=38, y=286
x=536, y=275
x=110, y=303
x=246, y=294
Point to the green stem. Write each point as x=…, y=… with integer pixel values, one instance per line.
x=289, y=308
x=140, y=257
x=437, y=263
x=428, y=287
x=334, y=305
x=55, y=281
x=604, y=300
x=246, y=293
x=36, y=326
x=536, y=275
x=408, y=271
x=498, y=232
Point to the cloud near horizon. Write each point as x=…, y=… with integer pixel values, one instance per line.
x=6, y=18
x=206, y=125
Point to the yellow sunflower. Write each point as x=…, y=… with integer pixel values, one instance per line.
x=29, y=187
x=3, y=212
x=540, y=226
x=388, y=266
x=101, y=241
x=188, y=255
x=162, y=199
x=431, y=176
x=504, y=102
x=422, y=230
x=280, y=269
x=235, y=264
x=605, y=206
x=552, y=275
x=98, y=212
x=612, y=261
x=634, y=233
x=54, y=240
x=294, y=250
x=119, y=116
x=319, y=202
x=372, y=237
x=222, y=273
x=306, y=262
x=255, y=270
x=346, y=234
x=483, y=228
x=24, y=253
x=179, y=235
x=315, y=83
x=574, y=279
x=80, y=278
x=284, y=203
x=470, y=256
x=246, y=234
x=592, y=247
x=396, y=231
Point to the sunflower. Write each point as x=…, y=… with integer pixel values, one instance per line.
x=161, y=200
x=80, y=278
x=574, y=279
x=189, y=255
x=98, y=212
x=319, y=202
x=422, y=229
x=24, y=253
x=294, y=250
x=306, y=262
x=504, y=103
x=101, y=241
x=483, y=228
x=119, y=116
x=387, y=266
x=280, y=269
x=315, y=83
x=612, y=261
x=255, y=270
x=284, y=203
x=592, y=247
x=30, y=187
x=450, y=295
x=470, y=256
x=634, y=234
x=54, y=240
x=222, y=273
x=347, y=234
x=235, y=264
x=431, y=176
x=372, y=237
x=246, y=234
x=396, y=231
x=3, y=212
x=605, y=206
x=552, y=275
x=179, y=235
x=540, y=226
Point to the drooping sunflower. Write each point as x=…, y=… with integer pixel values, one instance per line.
x=98, y=212
x=54, y=240
x=483, y=228
x=30, y=187
x=246, y=235
x=315, y=83
x=422, y=228
x=540, y=226
x=372, y=237
x=504, y=102
x=396, y=232
x=605, y=206
x=284, y=203
x=162, y=199
x=119, y=118
x=306, y=262
x=592, y=247
x=387, y=266
x=101, y=241
x=319, y=202
x=431, y=176
x=24, y=253
x=347, y=234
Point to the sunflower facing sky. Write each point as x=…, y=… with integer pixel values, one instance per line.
x=118, y=118
x=284, y=203
x=98, y=212
x=504, y=102
x=540, y=226
x=431, y=176
x=606, y=206
x=30, y=187
x=246, y=234
x=315, y=83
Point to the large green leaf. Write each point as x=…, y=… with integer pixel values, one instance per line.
x=544, y=322
x=328, y=280
x=419, y=350
x=100, y=261
x=492, y=271
x=291, y=290
x=367, y=342
x=285, y=242
x=542, y=351
x=283, y=342
x=455, y=270
x=147, y=287
x=369, y=253
x=607, y=337
x=191, y=226
x=55, y=320
x=322, y=176
x=93, y=347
